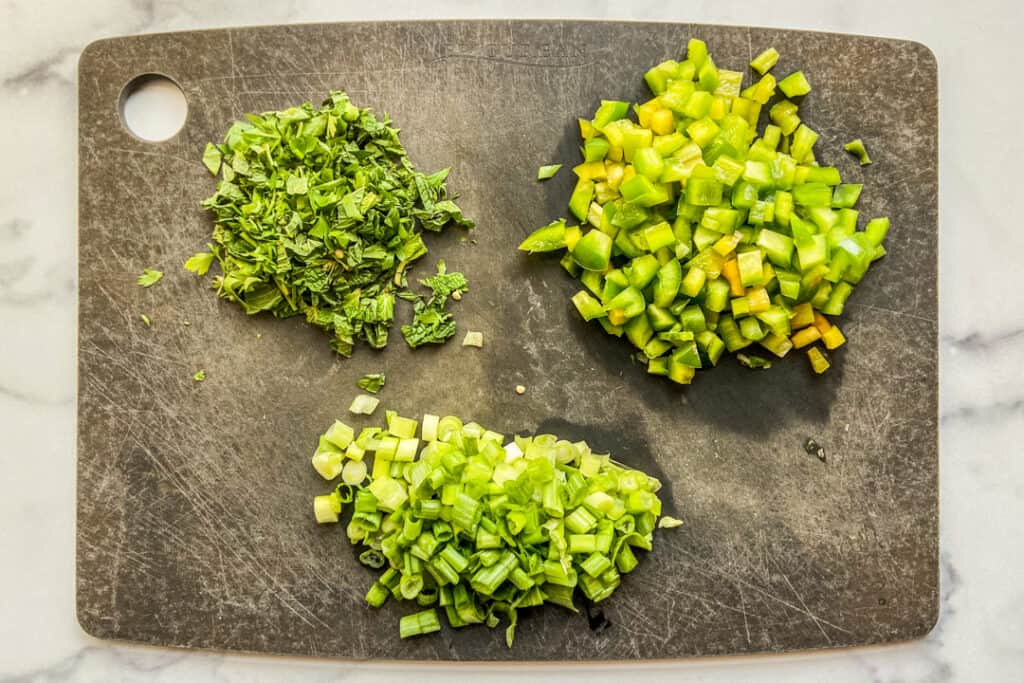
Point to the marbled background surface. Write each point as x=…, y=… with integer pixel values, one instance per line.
x=980, y=635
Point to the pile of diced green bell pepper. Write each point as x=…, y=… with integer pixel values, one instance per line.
x=698, y=234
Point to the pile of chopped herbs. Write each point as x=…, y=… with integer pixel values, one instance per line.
x=319, y=212
x=458, y=521
x=701, y=232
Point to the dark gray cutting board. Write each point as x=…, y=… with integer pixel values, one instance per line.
x=195, y=526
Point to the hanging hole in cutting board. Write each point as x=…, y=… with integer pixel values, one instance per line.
x=153, y=107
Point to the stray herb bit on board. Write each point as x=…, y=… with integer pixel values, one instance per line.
x=149, y=277
x=372, y=382
x=199, y=263
x=199, y=376
x=145, y=320
x=474, y=339
x=545, y=172
x=431, y=324
x=319, y=213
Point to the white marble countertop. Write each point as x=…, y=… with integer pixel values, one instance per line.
x=980, y=636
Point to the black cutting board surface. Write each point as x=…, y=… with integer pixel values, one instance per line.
x=194, y=518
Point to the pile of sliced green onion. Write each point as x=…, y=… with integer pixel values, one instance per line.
x=698, y=235
x=460, y=521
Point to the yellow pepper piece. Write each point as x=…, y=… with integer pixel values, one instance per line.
x=614, y=171
x=719, y=107
x=753, y=113
x=819, y=363
x=731, y=272
x=644, y=111
x=628, y=172
x=803, y=315
x=614, y=153
x=572, y=236
x=833, y=338
x=593, y=170
x=805, y=337
x=662, y=122
x=727, y=243
x=586, y=129
x=759, y=300
x=617, y=316
x=821, y=322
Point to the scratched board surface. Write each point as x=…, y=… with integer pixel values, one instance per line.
x=195, y=526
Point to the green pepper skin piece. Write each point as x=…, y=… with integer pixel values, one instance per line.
x=593, y=251
x=549, y=238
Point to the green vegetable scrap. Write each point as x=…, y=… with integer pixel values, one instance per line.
x=145, y=319
x=699, y=233
x=199, y=376
x=372, y=383
x=149, y=277
x=545, y=172
x=459, y=522
x=363, y=405
x=319, y=212
x=431, y=324
x=857, y=149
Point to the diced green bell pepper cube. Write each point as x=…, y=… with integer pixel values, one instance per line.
x=811, y=251
x=837, y=299
x=703, y=192
x=751, y=328
x=659, y=235
x=744, y=194
x=692, y=318
x=648, y=163
x=716, y=297
x=687, y=354
x=658, y=366
x=876, y=230
x=697, y=105
x=655, y=348
x=803, y=142
x=610, y=110
x=641, y=270
x=639, y=331
x=812, y=194
x=795, y=84
x=765, y=61
x=711, y=346
x=593, y=251
x=750, y=267
x=579, y=202
x=658, y=76
x=660, y=318
x=778, y=247
x=589, y=307
x=667, y=282
x=783, y=114
x=665, y=145
x=595, y=149
x=696, y=52
x=592, y=280
x=702, y=131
